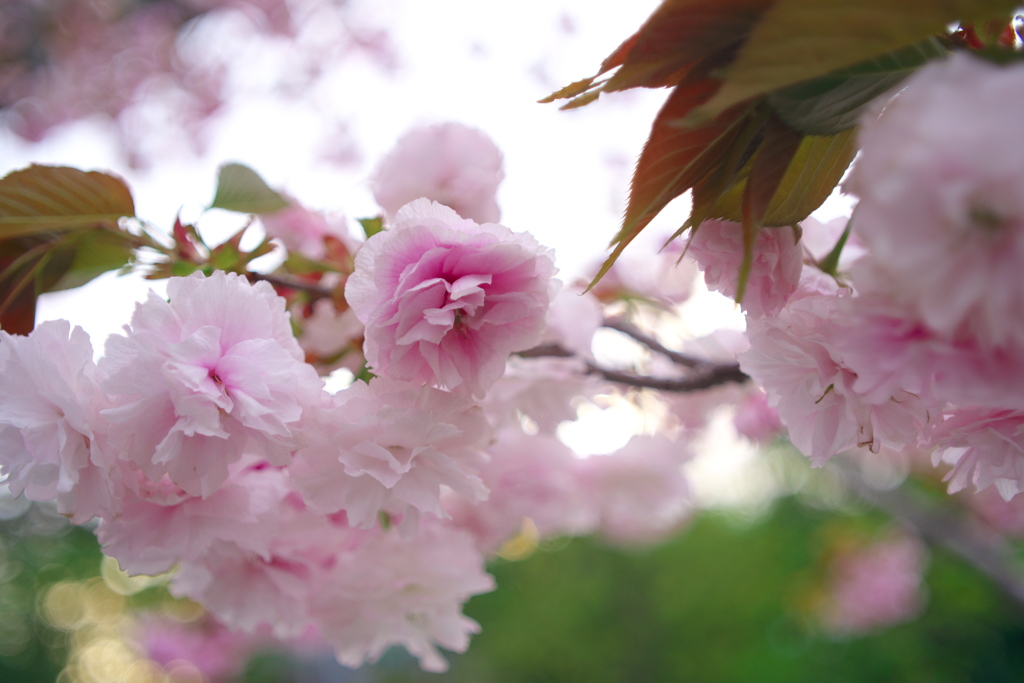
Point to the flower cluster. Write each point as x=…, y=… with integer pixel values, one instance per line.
x=922, y=345
x=203, y=442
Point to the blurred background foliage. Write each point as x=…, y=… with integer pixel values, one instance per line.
x=730, y=598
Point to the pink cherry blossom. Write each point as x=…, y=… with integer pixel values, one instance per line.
x=397, y=591
x=448, y=163
x=52, y=438
x=575, y=315
x=942, y=198
x=200, y=379
x=985, y=447
x=796, y=358
x=891, y=349
x=533, y=476
x=390, y=446
x=1004, y=516
x=545, y=390
x=226, y=579
x=445, y=300
x=755, y=419
x=717, y=246
x=160, y=525
x=875, y=586
x=304, y=231
x=640, y=493
x=287, y=578
x=217, y=652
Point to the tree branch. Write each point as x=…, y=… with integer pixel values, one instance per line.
x=288, y=282
x=704, y=376
x=631, y=330
x=711, y=375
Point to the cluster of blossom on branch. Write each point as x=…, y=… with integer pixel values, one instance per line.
x=204, y=439
x=918, y=342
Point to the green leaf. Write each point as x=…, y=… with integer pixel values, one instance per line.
x=241, y=189
x=183, y=268
x=799, y=40
x=93, y=254
x=830, y=264
x=43, y=199
x=371, y=226
x=816, y=168
x=572, y=90
x=834, y=103
x=297, y=264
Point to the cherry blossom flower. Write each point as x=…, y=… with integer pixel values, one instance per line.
x=573, y=318
x=545, y=390
x=445, y=300
x=533, y=476
x=397, y=591
x=160, y=525
x=891, y=349
x=225, y=579
x=330, y=337
x=717, y=247
x=220, y=654
x=796, y=359
x=52, y=438
x=985, y=447
x=639, y=493
x=755, y=419
x=304, y=231
x=389, y=447
x=942, y=202
x=200, y=379
x=448, y=163
x=288, y=577
x=875, y=586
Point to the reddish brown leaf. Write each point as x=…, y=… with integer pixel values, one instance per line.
x=682, y=34
x=681, y=39
x=17, y=295
x=770, y=163
x=677, y=157
x=41, y=199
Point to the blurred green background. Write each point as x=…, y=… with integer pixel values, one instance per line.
x=729, y=599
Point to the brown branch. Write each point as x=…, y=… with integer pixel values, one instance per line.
x=707, y=377
x=287, y=282
x=631, y=330
x=704, y=376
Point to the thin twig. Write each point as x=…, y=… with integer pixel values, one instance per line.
x=704, y=376
x=318, y=291
x=709, y=376
x=631, y=330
